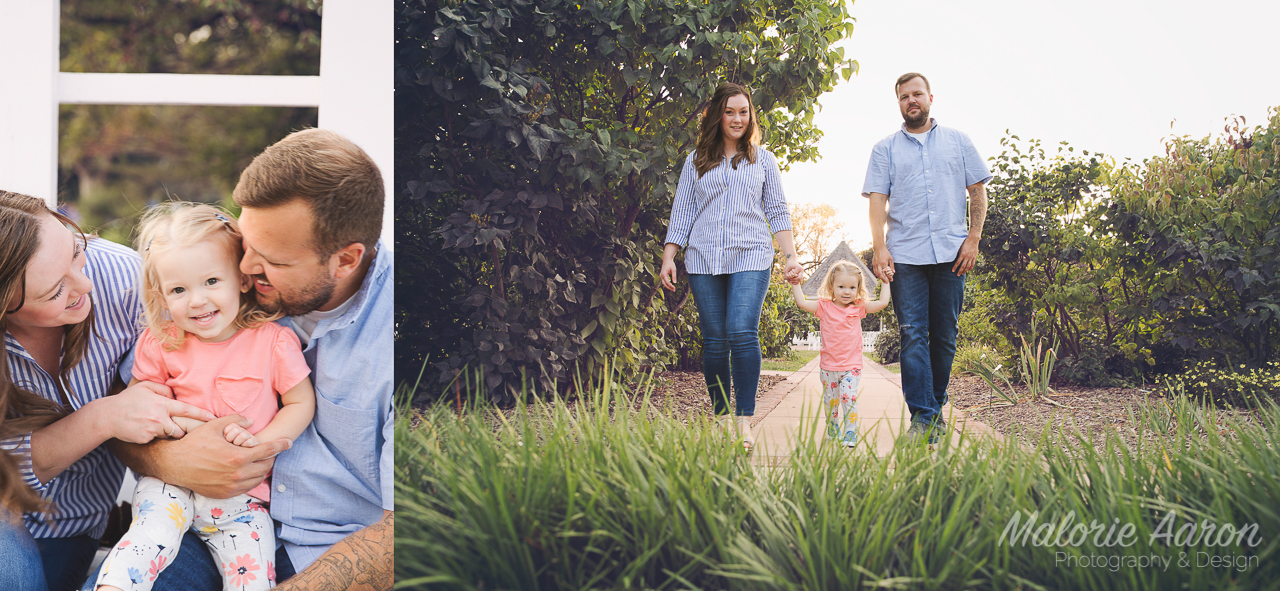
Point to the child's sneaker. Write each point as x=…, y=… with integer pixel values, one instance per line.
x=850, y=439
x=833, y=429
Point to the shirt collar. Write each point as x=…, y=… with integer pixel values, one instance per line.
x=933, y=121
x=381, y=263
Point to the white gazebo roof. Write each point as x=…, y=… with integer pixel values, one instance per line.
x=841, y=252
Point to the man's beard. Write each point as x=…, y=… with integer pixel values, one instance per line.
x=917, y=121
x=309, y=299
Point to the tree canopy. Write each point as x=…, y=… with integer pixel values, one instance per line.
x=113, y=159
x=538, y=146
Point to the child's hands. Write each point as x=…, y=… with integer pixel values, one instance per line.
x=795, y=278
x=186, y=425
x=237, y=435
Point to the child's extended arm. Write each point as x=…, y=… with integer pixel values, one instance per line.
x=290, y=421
x=810, y=306
x=878, y=305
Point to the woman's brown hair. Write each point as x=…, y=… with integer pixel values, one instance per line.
x=24, y=411
x=710, y=137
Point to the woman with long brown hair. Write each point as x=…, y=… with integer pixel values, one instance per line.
x=728, y=202
x=69, y=313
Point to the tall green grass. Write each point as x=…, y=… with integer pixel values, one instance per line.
x=593, y=498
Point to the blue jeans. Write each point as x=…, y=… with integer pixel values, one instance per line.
x=729, y=313
x=194, y=569
x=20, y=565
x=66, y=560
x=927, y=301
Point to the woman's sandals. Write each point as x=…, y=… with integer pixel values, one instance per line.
x=737, y=428
x=744, y=431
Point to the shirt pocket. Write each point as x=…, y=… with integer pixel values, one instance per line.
x=351, y=435
x=955, y=166
x=238, y=392
x=754, y=175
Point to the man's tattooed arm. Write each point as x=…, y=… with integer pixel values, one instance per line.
x=363, y=561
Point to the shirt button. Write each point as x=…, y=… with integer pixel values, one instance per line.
x=280, y=488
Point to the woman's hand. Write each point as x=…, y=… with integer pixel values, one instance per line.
x=144, y=411
x=187, y=425
x=793, y=272
x=668, y=273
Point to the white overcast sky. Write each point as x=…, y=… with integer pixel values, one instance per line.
x=1107, y=76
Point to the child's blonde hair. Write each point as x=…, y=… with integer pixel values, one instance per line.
x=860, y=293
x=178, y=224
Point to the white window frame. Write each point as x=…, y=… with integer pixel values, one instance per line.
x=353, y=93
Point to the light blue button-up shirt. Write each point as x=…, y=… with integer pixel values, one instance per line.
x=727, y=217
x=338, y=477
x=927, y=188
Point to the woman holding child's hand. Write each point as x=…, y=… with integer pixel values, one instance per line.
x=70, y=314
x=728, y=202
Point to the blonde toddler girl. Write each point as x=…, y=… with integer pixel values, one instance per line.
x=208, y=340
x=840, y=307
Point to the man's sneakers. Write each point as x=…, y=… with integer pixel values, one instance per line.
x=919, y=432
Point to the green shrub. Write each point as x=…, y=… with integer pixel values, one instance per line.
x=976, y=321
x=1089, y=369
x=969, y=355
x=775, y=331
x=888, y=346
x=1232, y=386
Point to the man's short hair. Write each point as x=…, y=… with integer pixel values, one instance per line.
x=903, y=79
x=335, y=177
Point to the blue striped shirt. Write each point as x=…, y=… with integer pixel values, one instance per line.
x=927, y=188
x=85, y=492
x=726, y=219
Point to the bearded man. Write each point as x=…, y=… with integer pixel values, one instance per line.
x=917, y=181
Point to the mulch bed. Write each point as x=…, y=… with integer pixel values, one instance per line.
x=1093, y=412
x=684, y=393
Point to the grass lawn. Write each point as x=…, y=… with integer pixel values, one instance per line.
x=802, y=357
x=893, y=367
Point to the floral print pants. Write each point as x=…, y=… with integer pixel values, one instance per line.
x=840, y=403
x=238, y=531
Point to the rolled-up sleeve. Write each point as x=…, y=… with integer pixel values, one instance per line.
x=975, y=168
x=684, y=206
x=877, y=180
x=773, y=197
x=19, y=448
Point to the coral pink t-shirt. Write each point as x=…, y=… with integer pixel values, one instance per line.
x=841, y=335
x=241, y=375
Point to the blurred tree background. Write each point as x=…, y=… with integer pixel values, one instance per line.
x=114, y=160
x=538, y=147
